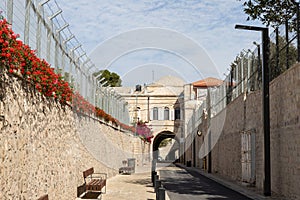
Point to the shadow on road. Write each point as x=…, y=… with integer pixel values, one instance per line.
x=189, y=185
x=147, y=182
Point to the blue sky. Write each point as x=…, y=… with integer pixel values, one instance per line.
x=207, y=23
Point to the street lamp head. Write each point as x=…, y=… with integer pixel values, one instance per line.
x=255, y=43
x=251, y=28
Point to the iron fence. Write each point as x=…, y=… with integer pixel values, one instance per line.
x=283, y=48
x=245, y=74
x=41, y=25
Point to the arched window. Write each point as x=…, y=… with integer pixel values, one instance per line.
x=166, y=113
x=155, y=113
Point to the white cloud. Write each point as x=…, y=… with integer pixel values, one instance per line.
x=210, y=23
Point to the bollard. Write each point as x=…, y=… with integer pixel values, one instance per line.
x=153, y=166
x=161, y=194
x=153, y=173
x=156, y=177
x=157, y=185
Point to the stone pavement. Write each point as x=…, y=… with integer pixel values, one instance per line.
x=137, y=186
x=130, y=187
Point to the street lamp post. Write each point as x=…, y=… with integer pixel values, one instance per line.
x=298, y=27
x=266, y=103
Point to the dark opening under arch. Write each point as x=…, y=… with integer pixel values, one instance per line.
x=159, y=138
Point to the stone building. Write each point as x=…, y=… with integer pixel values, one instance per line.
x=168, y=106
x=159, y=105
x=229, y=141
x=194, y=106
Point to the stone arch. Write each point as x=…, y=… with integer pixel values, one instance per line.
x=159, y=138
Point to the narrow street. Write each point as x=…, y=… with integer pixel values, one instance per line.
x=181, y=184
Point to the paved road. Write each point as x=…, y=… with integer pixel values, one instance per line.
x=181, y=184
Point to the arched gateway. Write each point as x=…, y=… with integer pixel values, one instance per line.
x=172, y=150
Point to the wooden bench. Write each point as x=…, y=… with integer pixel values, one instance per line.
x=94, y=181
x=45, y=197
x=126, y=170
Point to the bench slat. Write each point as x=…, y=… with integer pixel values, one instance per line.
x=88, y=172
x=95, y=184
x=45, y=197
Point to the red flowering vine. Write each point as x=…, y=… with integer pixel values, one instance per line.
x=144, y=131
x=19, y=59
x=79, y=104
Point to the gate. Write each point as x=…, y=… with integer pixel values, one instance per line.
x=248, y=156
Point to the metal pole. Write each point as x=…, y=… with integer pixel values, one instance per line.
x=277, y=70
x=156, y=177
x=209, y=167
x=266, y=109
x=194, y=150
x=230, y=86
x=209, y=106
x=148, y=109
x=298, y=31
x=161, y=194
x=10, y=12
x=266, y=103
x=27, y=22
x=157, y=185
x=287, y=43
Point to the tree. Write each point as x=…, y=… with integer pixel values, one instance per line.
x=270, y=12
x=275, y=13
x=108, y=78
x=282, y=57
x=165, y=142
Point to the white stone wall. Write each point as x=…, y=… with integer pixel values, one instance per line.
x=285, y=133
x=45, y=147
x=243, y=115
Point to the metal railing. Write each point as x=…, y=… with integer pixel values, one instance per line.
x=245, y=74
x=41, y=25
x=244, y=77
x=283, y=48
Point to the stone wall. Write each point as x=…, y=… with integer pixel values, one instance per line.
x=285, y=133
x=245, y=114
x=45, y=147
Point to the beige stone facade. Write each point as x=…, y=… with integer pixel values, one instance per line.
x=158, y=104
x=239, y=152
x=45, y=147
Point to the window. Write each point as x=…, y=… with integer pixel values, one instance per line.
x=166, y=113
x=155, y=113
x=177, y=113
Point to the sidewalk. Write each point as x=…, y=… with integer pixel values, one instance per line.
x=137, y=186
x=246, y=191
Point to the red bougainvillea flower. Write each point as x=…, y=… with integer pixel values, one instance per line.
x=21, y=60
x=18, y=58
x=144, y=131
